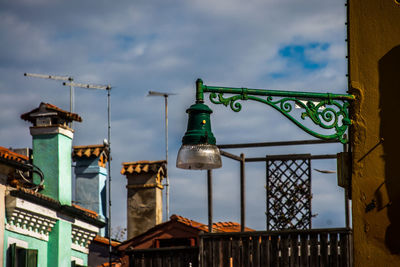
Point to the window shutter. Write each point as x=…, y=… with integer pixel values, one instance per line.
x=11, y=256
x=31, y=257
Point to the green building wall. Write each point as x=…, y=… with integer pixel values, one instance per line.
x=80, y=255
x=59, y=245
x=52, y=154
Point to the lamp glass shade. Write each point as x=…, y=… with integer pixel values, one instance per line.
x=198, y=157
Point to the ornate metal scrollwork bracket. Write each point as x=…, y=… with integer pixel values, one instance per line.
x=327, y=111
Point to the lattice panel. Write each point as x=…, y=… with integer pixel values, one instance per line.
x=288, y=193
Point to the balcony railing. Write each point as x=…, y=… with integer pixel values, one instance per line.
x=311, y=248
x=165, y=257
x=288, y=248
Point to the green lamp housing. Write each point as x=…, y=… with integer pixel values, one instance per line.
x=198, y=150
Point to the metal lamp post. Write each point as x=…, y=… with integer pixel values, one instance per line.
x=327, y=111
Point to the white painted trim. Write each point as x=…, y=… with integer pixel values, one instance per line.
x=81, y=237
x=19, y=230
x=77, y=260
x=27, y=206
x=29, y=219
x=37, y=130
x=86, y=226
x=19, y=243
x=79, y=248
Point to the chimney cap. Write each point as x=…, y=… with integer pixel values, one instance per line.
x=89, y=151
x=46, y=109
x=144, y=166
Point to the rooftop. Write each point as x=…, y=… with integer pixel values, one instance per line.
x=7, y=154
x=104, y=240
x=219, y=227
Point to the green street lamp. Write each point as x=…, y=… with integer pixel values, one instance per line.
x=327, y=111
x=199, y=150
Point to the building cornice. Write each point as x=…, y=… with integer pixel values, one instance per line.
x=28, y=218
x=56, y=206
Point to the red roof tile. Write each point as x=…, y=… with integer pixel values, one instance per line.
x=143, y=166
x=88, y=212
x=38, y=195
x=188, y=222
x=105, y=240
x=221, y=227
x=91, y=151
x=88, y=151
x=10, y=155
x=62, y=113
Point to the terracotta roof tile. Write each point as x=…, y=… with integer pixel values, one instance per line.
x=188, y=222
x=10, y=155
x=105, y=240
x=143, y=166
x=91, y=151
x=88, y=212
x=88, y=151
x=38, y=195
x=62, y=113
x=221, y=227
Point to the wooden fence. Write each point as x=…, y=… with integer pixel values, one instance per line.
x=288, y=248
x=305, y=248
x=165, y=257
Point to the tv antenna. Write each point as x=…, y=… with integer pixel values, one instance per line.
x=165, y=95
x=59, y=78
x=106, y=143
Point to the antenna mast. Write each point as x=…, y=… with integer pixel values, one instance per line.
x=165, y=95
x=108, y=89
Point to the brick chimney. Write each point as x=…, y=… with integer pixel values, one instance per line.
x=90, y=178
x=144, y=201
x=52, y=144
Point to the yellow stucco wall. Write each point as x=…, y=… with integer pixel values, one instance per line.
x=374, y=76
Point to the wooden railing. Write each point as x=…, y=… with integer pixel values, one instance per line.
x=165, y=257
x=305, y=248
x=288, y=248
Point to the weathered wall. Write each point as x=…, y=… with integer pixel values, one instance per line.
x=144, y=203
x=374, y=71
x=90, y=186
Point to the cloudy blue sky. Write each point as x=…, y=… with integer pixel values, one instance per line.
x=165, y=45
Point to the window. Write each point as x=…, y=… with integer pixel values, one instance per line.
x=21, y=257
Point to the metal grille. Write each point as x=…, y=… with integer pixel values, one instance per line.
x=288, y=192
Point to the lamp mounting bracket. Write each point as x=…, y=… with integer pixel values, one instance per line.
x=325, y=110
